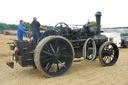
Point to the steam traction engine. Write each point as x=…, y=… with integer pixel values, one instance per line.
x=56, y=49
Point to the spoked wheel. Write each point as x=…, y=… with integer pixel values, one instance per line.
x=59, y=27
x=108, y=54
x=61, y=24
x=89, y=50
x=54, y=56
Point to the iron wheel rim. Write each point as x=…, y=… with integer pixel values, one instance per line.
x=111, y=58
x=58, y=60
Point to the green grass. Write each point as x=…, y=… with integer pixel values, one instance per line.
x=124, y=34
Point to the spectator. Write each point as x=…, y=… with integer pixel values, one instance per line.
x=20, y=30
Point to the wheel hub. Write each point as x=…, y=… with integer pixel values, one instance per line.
x=57, y=55
x=108, y=53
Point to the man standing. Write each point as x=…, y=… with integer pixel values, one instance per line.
x=36, y=30
x=20, y=30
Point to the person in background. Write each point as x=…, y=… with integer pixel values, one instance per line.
x=36, y=30
x=20, y=30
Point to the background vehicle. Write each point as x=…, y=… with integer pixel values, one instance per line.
x=56, y=49
x=114, y=37
x=124, y=42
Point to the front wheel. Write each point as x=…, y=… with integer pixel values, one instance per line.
x=108, y=54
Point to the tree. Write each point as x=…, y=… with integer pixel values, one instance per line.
x=124, y=34
x=3, y=26
x=49, y=27
x=93, y=23
x=12, y=27
x=27, y=25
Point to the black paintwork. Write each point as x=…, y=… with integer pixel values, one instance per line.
x=76, y=36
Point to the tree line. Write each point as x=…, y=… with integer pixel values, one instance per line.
x=27, y=25
x=4, y=26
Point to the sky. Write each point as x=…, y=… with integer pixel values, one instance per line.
x=50, y=12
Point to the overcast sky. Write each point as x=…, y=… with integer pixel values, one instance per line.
x=50, y=12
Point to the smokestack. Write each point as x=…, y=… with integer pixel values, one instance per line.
x=98, y=20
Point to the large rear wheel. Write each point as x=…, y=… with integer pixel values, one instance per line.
x=54, y=56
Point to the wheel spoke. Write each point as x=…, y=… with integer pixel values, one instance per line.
x=52, y=48
x=48, y=66
x=105, y=58
x=58, y=49
x=54, y=67
x=46, y=60
x=58, y=67
x=56, y=43
x=66, y=55
x=62, y=63
x=47, y=53
x=47, y=47
x=63, y=48
x=109, y=59
x=112, y=57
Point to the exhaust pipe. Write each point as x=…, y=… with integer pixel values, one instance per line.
x=98, y=20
